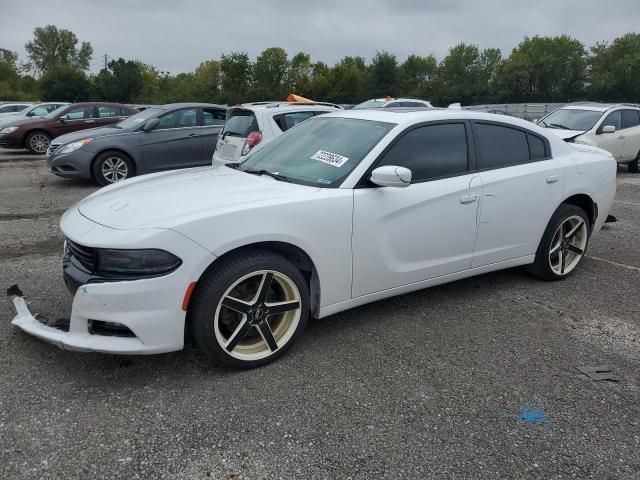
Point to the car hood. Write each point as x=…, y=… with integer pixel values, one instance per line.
x=566, y=134
x=91, y=132
x=169, y=199
x=8, y=120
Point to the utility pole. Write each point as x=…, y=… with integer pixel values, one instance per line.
x=105, y=61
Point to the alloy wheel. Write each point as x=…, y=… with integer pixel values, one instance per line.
x=257, y=315
x=39, y=143
x=568, y=245
x=114, y=169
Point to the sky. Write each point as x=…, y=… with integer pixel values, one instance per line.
x=176, y=35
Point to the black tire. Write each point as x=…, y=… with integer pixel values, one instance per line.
x=100, y=168
x=542, y=267
x=634, y=167
x=37, y=142
x=205, y=316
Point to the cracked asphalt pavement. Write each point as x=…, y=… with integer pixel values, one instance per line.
x=427, y=385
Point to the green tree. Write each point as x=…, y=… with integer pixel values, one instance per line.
x=299, y=76
x=121, y=82
x=551, y=69
x=150, y=92
x=270, y=75
x=385, y=75
x=321, y=81
x=207, y=78
x=51, y=47
x=64, y=83
x=236, y=77
x=9, y=75
x=349, y=81
x=464, y=75
x=418, y=75
x=615, y=70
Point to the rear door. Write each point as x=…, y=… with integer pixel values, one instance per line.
x=521, y=188
x=212, y=124
x=239, y=124
x=631, y=132
x=175, y=142
x=109, y=114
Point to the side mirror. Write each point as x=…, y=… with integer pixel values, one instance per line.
x=391, y=176
x=63, y=119
x=609, y=129
x=151, y=124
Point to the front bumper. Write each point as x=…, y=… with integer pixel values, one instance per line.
x=149, y=310
x=11, y=140
x=72, y=165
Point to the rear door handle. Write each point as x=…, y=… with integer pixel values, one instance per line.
x=553, y=178
x=621, y=137
x=468, y=198
x=89, y=121
x=193, y=135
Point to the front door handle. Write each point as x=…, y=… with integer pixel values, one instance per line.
x=193, y=135
x=553, y=178
x=468, y=198
x=621, y=137
x=89, y=121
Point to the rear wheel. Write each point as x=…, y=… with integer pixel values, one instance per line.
x=38, y=142
x=634, y=167
x=112, y=167
x=563, y=244
x=249, y=309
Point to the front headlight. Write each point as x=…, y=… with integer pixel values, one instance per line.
x=136, y=262
x=73, y=146
x=9, y=130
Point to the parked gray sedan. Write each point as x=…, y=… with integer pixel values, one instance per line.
x=159, y=138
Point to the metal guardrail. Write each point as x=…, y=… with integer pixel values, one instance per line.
x=528, y=111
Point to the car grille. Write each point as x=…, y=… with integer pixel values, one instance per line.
x=87, y=256
x=53, y=148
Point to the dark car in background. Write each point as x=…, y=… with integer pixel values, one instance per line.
x=159, y=138
x=35, y=134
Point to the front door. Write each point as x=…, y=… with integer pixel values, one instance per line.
x=426, y=230
x=74, y=119
x=612, y=142
x=176, y=141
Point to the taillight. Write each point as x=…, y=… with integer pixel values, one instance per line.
x=252, y=140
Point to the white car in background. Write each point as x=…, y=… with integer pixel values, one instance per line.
x=12, y=108
x=346, y=209
x=34, y=111
x=253, y=125
x=615, y=128
x=390, y=102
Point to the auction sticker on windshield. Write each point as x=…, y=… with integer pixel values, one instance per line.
x=329, y=158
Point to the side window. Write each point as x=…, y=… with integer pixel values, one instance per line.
x=614, y=119
x=42, y=111
x=107, y=112
x=287, y=120
x=178, y=119
x=629, y=118
x=537, y=150
x=431, y=151
x=79, y=113
x=214, y=117
x=500, y=146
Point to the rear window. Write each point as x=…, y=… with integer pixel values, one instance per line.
x=240, y=123
x=370, y=104
x=288, y=120
x=629, y=118
x=500, y=146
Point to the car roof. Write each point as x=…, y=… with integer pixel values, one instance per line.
x=598, y=107
x=288, y=106
x=171, y=106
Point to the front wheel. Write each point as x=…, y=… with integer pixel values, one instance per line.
x=249, y=309
x=112, y=167
x=563, y=244
x=634, y=167
x=38, y=142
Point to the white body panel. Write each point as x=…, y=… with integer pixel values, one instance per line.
x=365, y=243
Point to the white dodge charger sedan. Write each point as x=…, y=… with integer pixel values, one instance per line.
x=341, y=210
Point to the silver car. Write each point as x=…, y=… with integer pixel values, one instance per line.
x=159, y=138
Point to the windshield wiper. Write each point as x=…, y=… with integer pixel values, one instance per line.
x=557, y=125
x=277, y=176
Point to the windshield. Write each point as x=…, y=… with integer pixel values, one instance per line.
x=56, y=112
x=320, y=152
x=139, y=118
x=370, y=104
x=572, y=119
x=240, y=123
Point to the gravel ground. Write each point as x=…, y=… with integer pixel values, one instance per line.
x=427, y=385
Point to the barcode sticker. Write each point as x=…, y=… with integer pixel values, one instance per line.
x=329, y=158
